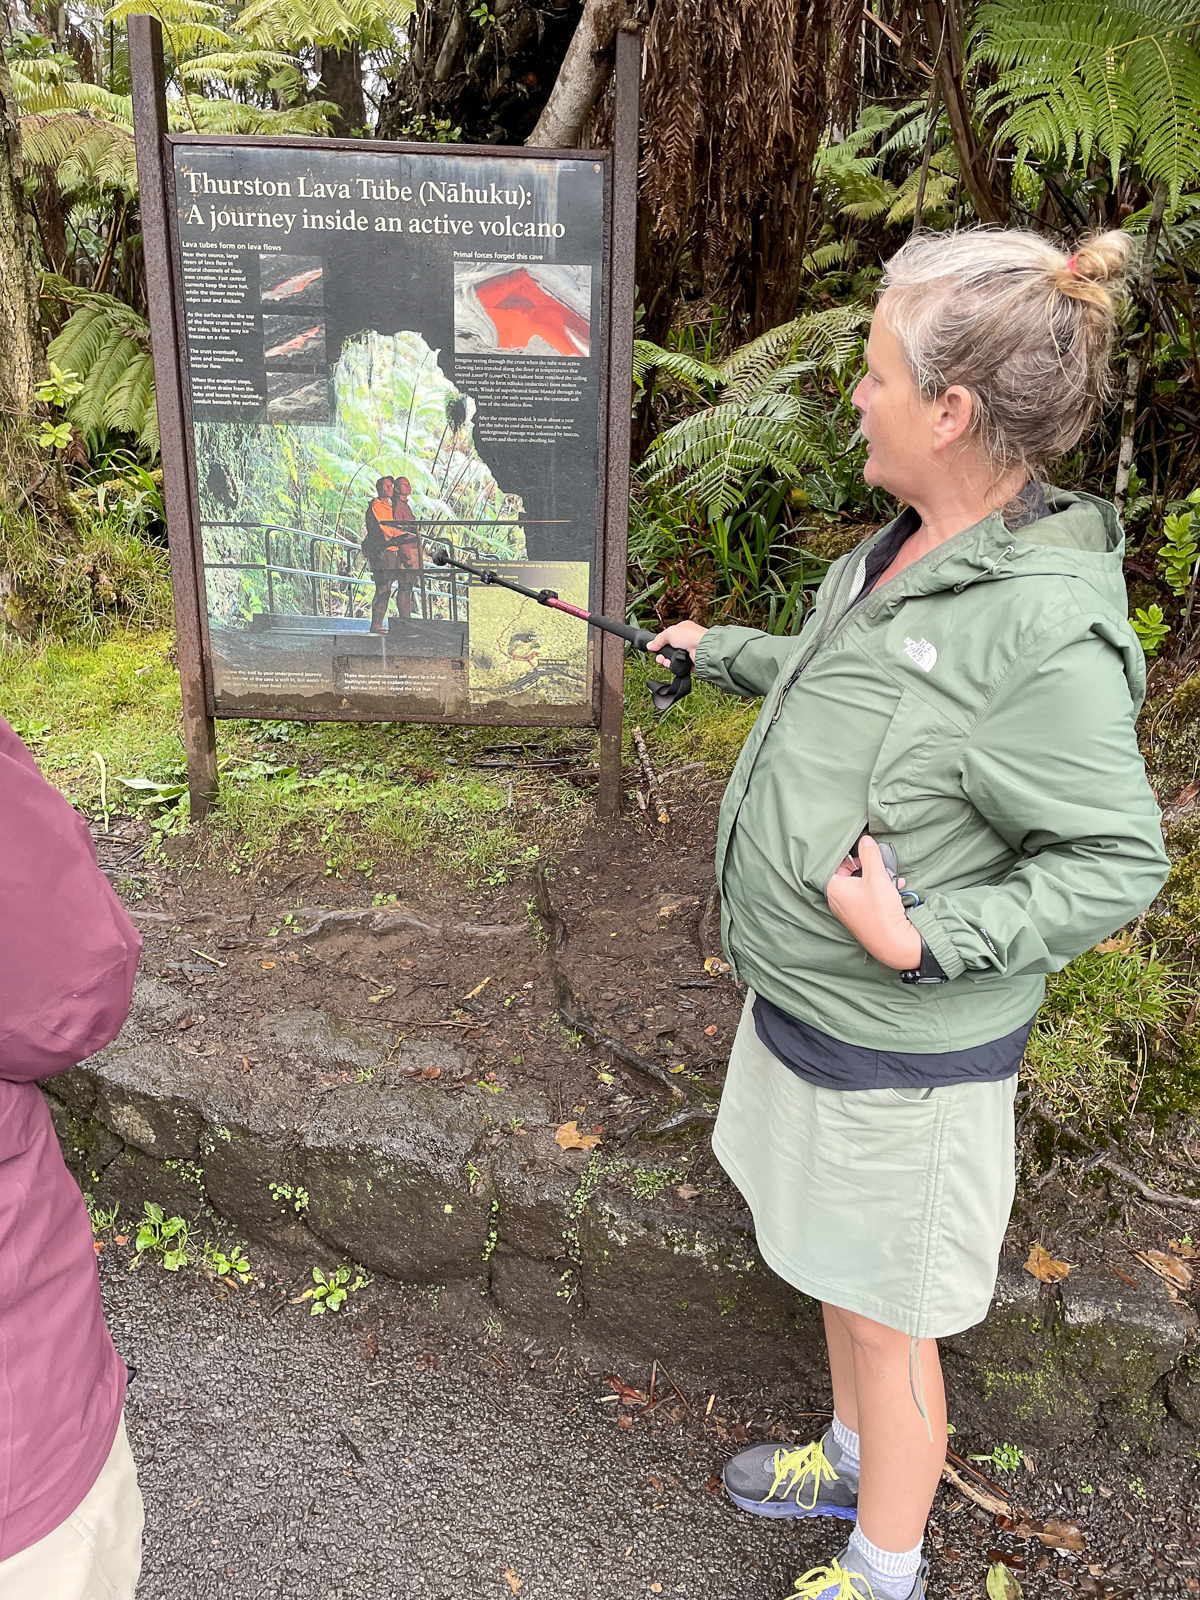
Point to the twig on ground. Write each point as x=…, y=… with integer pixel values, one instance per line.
x=1101, y=1158
x=987, y=1502
x=639, y=739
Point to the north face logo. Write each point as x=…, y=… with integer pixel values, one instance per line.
x=920, y=651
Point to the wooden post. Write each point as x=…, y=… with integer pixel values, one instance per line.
x=620, y=396
x=149, y=130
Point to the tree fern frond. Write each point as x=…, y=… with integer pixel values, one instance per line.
x=684, y=369
x=1117, y=80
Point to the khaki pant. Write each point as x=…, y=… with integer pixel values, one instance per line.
x=96, y=1554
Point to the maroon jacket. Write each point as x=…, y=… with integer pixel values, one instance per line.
x=68, y=954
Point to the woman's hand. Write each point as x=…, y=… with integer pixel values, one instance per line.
x=871, y=908
x=683, y=635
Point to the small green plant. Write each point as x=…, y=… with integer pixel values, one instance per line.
x=287, y=1195
x=227, y=1261
x=1147, y=622
x=1180, y=549
x=647, y=1183
x=329, y=1294
x=58, y=390
x=102, y=1216
x=1086, y=1488
x=1004, y=1457
x=1138, y=1488
x=493, y=1233
x=163, y=1236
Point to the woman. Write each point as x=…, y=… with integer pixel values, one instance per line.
x=964, y=692
x=70, y=1511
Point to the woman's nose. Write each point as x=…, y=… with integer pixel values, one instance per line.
x=858, y=398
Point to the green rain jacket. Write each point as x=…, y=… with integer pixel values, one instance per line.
x=977, y=712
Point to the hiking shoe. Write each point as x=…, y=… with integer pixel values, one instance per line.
x=838, y=1582
x=770, y=1481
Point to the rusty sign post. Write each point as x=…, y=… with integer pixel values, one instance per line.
x=368, y=356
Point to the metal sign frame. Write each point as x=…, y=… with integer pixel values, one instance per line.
x=154, y=146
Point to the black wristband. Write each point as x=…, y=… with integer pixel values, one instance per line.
x=930, y=970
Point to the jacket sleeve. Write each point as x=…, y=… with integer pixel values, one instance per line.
x=68, y=952
x=742, y=660
x=1053, y=765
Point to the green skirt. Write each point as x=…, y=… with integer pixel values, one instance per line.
x=888, y=1202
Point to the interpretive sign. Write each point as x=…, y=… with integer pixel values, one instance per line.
x=388, y=352
x=377, y=351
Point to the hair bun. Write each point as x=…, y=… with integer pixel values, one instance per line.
x=1096, y=271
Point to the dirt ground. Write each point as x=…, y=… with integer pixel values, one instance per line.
x=594, y=976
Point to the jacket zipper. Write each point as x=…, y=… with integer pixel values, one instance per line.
x=830, y=624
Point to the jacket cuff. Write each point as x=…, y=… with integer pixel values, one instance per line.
x=707, y=647
x=938, y=940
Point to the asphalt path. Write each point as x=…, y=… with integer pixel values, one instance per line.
x=410, y=1445
x=373, y=1454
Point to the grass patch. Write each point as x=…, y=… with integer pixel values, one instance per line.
x=118, y=698
x=1108, y=1041
x=104, y=575
x=709, y=726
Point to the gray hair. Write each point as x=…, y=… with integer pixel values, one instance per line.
x=1025, y=328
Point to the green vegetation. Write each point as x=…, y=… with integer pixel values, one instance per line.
x=162, y=1236
x=330, y=1293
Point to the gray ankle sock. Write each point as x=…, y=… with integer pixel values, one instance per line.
x=847, y=1460
x=891, y=1574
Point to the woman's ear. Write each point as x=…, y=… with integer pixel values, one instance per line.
x=952, y=414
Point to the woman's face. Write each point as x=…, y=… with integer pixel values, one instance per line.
x=895, y=418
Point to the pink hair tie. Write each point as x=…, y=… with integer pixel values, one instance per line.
x=1071, y=266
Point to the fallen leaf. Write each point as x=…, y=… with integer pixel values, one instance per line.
x=431, y=1072
x=1189, y=1252
x=686, y=1192
x=1001, y=1584
x=429, y=1361
x=384, y=994
x=245, y=1063
x=97, y=1245
x=1185, y=795
x=568, y=1137
x=514, y=1583
x=713, y=1486
x=1016, y=1562
x=656, y=1588
x=1169, y=1267
x=1059, y=1535
x=1041, y=1265
x=626, y=1395
x=406, y=964
x=624, y=1420
x=1108, y=947
x=715, y=967
x=121, y=1238
x=372, y=1346
x=711, y=1029
x=267, y=965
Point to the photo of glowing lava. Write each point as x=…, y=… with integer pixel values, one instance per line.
x=539, y=310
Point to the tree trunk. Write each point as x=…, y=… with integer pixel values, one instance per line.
x=490, y=78
x=584, y=72
x=20, y=345
x=1133, y=372
x=341, y=82
x=945, y=30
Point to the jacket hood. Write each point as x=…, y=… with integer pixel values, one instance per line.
x=1079, y=538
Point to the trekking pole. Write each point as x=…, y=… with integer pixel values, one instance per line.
x=664, y=695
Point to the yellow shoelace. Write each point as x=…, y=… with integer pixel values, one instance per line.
x=794, y=1469
x=833, y=1583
